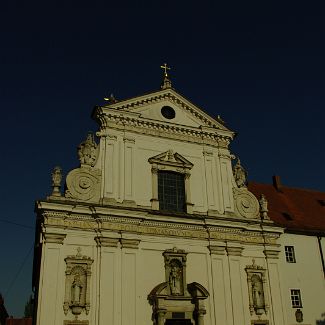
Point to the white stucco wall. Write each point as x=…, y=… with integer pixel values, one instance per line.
x=306, y=274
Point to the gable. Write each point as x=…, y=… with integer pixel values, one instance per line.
x=151, y=106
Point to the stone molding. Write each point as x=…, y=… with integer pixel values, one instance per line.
x=159, y=97
x=75, y=322
x=106, y=241
x=217, y=249
x=54, y=238
x=234, y=251
x=213, y=133
x=130, y=243
x=164, y=229
x=271, y=253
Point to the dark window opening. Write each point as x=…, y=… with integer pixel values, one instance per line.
x=290, y=254
x=287, y=216
x=168, y=112
x=296, y=298
x=171, y=191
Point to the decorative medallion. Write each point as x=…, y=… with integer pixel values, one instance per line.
x=84, y=184
x=246, y=203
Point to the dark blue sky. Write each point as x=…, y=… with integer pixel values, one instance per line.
x=260, y=65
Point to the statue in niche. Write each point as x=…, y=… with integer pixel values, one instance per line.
x=76, y=290
x=240, y=174
x=257, y=294
x=175, y=279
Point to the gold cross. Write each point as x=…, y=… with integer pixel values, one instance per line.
x=165, y=68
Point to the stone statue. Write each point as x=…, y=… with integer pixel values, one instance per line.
x=175, y=280
x=257, y=293
x=56, y=181
x=76, y=290
x=263, y=207
x=240, y=174
x=87, y=151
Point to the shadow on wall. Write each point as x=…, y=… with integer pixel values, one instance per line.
x=321, y=321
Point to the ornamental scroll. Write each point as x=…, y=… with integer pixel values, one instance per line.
x=84, y=183
x=77, y=281
x=246, y=204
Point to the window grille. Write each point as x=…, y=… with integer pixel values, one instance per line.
x=171, y=191
x=290, y=254
x=296, y=298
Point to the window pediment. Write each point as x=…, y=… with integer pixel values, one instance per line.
x=174, y=161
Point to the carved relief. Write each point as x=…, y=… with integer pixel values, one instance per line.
x=175, y=267
x=56, y=181
x=246, y=204
x=256, y=280
x=77, y=294
x=240, y=174
x=263, y=207
x=175, y=296
x=87, y=151
x=84, y=184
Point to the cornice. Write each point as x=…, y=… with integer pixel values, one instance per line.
x=144, y=226
x=172, y=96
x=111, y=119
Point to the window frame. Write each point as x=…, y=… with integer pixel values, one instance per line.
x=290, y=254
x=171, y=162
x=170, y=180
x=295, y=296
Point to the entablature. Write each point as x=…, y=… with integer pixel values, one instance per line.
x=143, y=222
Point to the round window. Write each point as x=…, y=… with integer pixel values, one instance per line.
x=168, y=112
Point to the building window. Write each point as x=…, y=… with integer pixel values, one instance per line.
x=290, y=254
x=171, y=191
x=296, y=298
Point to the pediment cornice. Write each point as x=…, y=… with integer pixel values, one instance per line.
x=132, y=121
x=132, y=104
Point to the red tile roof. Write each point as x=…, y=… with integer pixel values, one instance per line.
x=293, y=208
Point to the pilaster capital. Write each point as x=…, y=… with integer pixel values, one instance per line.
x=234, y=250
x=217, y=249
x=271, y=253
x=54, y=238
x=106, y=241
x=130, y=243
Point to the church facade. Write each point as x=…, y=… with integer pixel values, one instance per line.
x=157, y=226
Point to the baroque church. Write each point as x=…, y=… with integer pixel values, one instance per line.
x=158, y=225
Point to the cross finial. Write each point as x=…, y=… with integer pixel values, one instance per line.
x=165, y=68
x=166, y=81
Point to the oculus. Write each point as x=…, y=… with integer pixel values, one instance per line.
x=168, y=112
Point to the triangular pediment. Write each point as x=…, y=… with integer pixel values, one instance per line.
x=171, y=158
x=182, y=111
